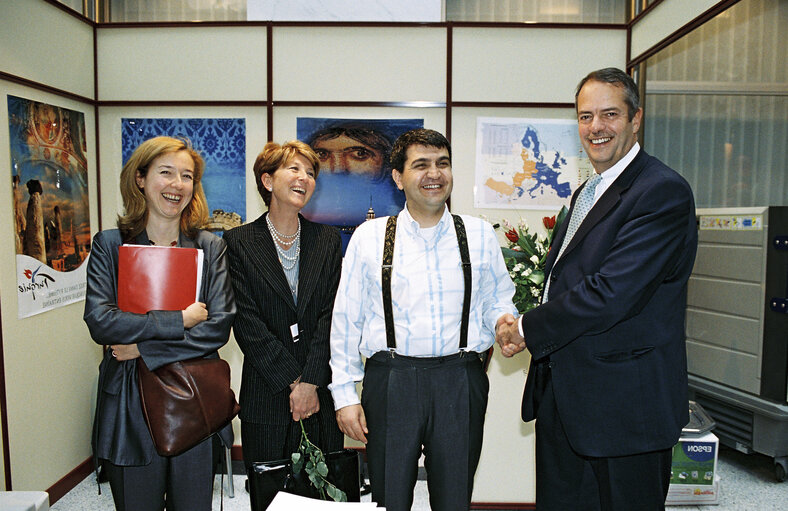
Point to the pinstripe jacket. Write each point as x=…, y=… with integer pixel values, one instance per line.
x=266, y=311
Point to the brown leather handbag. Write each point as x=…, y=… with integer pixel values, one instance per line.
x=186, y=402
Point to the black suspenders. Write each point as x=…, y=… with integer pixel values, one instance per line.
x=388, y=257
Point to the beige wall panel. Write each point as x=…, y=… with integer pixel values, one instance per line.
x=530, y=65
x=112, y=204
x=43, y=44
x=51, y=365
x=182, y=64
x=508, y=446
x=663, y=20
x=359, y=64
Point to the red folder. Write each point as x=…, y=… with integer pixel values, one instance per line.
x=158, y=278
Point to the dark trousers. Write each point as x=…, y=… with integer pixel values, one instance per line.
x=270, y=442
x=183, y=482
x=567, y=480
x=435, y=406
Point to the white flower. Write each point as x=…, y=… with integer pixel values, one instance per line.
x=518, y=267
x=528, y=271
x=506, y=224
x=485, y=218
x=534, y=259
x=523, y=225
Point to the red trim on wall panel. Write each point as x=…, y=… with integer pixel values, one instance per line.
x=509, y=104
x=69, y=481
x=400, y=104
x=182, y=103
x=4, y=416
x=643, y=12
x=45, y=88
x=681, y=32
x=68, y=10
x=269, y=79
x=525, y=24
x=449, y=66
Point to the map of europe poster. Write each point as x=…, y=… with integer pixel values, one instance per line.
x=528, y=163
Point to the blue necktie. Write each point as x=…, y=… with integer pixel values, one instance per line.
x=582, y=206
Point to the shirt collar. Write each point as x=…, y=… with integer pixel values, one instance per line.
x=613, y=172
x=414, y=228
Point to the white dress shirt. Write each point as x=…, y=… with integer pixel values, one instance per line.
x=427, y=290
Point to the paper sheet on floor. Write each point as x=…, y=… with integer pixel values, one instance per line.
x=289, y=502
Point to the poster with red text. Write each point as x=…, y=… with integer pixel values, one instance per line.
x=50, y=204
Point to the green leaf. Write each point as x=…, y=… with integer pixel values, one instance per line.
x=335, y=493
x=322, y=469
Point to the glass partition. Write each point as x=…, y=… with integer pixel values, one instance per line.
x=716, y=106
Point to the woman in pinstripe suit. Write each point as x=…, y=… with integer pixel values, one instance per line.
x=285, y=272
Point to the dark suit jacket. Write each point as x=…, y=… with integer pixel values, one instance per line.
x=120, y=433
x=272, y=361
x=613, y=327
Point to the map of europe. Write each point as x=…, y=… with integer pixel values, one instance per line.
x=527, y=163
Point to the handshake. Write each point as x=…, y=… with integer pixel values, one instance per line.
x=507, y=335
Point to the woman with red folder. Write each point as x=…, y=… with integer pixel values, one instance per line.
x=285, y=272
x=164, y=204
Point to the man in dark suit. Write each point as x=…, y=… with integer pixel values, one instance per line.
x=607, y=382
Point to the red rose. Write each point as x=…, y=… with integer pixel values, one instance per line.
x=512, y=236
x=549, y=222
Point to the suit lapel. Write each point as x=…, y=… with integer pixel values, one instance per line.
x=263, y=255
x=607, y=201
x=311, y=259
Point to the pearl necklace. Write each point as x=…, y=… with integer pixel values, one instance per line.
x=295, y=240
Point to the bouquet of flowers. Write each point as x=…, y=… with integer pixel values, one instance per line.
x=525, y=257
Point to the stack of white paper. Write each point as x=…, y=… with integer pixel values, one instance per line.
x=289, y=502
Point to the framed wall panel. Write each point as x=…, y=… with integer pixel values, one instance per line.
x=663, y=20
x=110, y=149
x=205, y=63
x=318, y=63
x=42, y=44
x=529, y=65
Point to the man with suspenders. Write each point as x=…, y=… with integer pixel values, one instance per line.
x=420, y=297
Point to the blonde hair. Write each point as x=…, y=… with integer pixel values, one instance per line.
x=274, y=156
x=135, y=216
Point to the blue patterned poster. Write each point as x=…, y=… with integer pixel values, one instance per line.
x=49, y=178
x=355, y=172
x=222, y=144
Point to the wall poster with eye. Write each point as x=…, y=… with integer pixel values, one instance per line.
x=221, y=143
x=49, y=177
x=355, y=172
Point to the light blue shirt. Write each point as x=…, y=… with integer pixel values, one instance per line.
x=427, y=290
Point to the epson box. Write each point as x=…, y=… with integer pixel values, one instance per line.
x=694, y=460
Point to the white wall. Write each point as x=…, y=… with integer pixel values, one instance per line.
x=50, y=363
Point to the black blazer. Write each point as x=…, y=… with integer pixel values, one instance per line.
x=613, y=328
x=120, y=433
x=272, y=361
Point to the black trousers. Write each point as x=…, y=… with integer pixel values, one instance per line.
x=435, y=406
x=183, y=482
x=568, y=480
x=269, y=442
